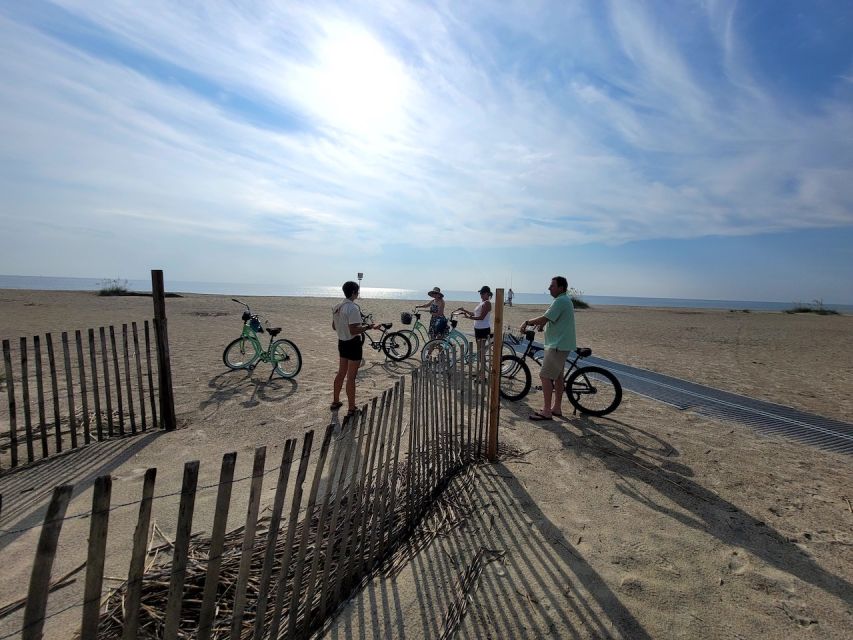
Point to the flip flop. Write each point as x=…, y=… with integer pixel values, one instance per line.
x=538, y=417
x=554, y=414
x=335, y=406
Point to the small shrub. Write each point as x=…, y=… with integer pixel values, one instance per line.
x=577, y=302
x=114, y=287
x=816, y=307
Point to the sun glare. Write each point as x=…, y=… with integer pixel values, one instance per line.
x=358, y=86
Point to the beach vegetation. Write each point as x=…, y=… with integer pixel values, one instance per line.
x=577, y=300
x=119, y=287
x=113, y=287
x=816, y=306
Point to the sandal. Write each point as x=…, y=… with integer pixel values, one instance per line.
x=335, y=406
x=351, y=413
x=554, y=414
x=538, y=417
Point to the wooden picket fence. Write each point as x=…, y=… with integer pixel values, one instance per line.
x=62, y=396
x=374, y=478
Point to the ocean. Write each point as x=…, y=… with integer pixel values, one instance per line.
x=254, y=289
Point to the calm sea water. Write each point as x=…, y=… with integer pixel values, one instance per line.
x=247, y=289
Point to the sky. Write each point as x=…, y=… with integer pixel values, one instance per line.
x=672, y=148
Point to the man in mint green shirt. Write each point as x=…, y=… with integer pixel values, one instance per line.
x=559, y=323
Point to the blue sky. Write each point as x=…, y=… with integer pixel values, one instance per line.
x=681, y=148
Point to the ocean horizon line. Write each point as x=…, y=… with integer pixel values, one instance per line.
x=67, y=283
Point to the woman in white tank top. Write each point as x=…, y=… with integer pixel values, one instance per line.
x=482, y=317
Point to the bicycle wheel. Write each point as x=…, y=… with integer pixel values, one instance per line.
x=241, y=353
x=396, y=346
x=412, y=338
x=286, y=358
x=515, y=382
x=440, y=354
x=594, y=391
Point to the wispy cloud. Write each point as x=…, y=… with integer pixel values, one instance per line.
x=300, y=122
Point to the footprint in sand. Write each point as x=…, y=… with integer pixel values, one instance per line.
x=738, y=563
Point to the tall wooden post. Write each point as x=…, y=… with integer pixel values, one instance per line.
x=495, y=377
x=164, y=366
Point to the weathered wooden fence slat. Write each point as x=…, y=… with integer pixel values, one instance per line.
x=25, y=393
x=98, y=528
x=217, y=539
x=51, y=360
x=81, y=367
x=306, y=531
x=133, y=596
x=180, y=553
x=107, y=389
x=272, y=536
x=96, y=392
x=127, y=379
x=150, y=376
x=69, y=391
x=40, y=396
x=296, y=501
x=248, y=542
x=140, y=386
x=117, y=374
x=10, y=390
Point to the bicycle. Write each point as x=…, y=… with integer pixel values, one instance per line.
x=445, y=349
x=419, y=331
x=394, y=344
x=246, y=351
x=590, y=389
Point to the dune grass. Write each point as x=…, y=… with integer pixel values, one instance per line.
x=815, y=307
x=577, y=301
x=118, y=287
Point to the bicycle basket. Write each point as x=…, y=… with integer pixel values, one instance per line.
x=256, y=325
x=406, y=317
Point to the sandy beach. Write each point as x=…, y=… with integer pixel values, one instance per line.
x=667, y=524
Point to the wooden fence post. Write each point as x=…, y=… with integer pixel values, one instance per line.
x=495, y=377
x=164, y=367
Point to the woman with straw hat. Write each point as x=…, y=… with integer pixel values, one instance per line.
x=438, y=325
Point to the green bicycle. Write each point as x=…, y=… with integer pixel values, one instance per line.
x=246, y=351
x=419, y=333
x=455, y=345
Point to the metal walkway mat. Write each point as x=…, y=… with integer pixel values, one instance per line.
x=764, y=417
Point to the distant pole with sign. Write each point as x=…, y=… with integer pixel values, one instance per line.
x=360, y=276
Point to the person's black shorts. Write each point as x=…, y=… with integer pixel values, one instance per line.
x=350, y=349
x=482, y=334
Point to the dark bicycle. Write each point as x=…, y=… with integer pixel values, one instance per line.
x=393, y=344
x=590, y=389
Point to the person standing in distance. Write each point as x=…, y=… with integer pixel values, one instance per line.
x=346, y=320
x=560, y=339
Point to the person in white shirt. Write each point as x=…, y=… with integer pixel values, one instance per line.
x=482, y=317
x=346, y=321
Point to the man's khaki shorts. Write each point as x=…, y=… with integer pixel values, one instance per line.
x=553, y=364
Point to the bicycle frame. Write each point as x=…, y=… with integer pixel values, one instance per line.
x=419, y=328
x=572, y=364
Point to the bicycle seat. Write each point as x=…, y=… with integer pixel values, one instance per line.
x=274, y=332
x=584, y=352
x=387, y=325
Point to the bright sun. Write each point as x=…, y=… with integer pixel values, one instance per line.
x=358, y=86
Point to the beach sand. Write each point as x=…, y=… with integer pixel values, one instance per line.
x=654, y=522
